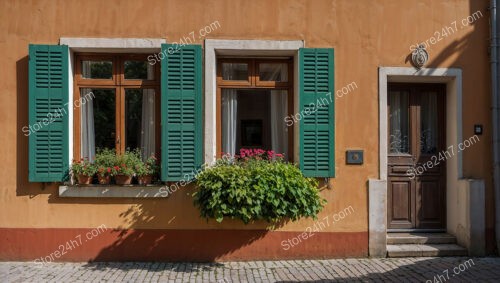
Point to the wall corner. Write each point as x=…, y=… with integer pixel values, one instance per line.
x=377, y=218
x=471, y=225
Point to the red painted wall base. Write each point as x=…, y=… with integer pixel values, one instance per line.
x=46, y=245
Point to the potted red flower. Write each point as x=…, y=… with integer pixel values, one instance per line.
x=105, y=159
x=123, y=174
x=124, y=167
x=104, y=175
x=145, y=170
x=83, y=170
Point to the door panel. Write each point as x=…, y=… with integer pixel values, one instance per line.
x=431, y=199
x=401, y=193
x=416, y=175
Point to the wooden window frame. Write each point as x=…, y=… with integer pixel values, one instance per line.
x=119, y=84
x=136, y=82
x=252, y=67
x=99, y=57
x=239, y=83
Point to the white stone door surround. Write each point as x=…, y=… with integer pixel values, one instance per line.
x=464, y=197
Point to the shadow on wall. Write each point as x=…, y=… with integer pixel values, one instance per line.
x=134, y=242
x=23, y=186
x=473, y=45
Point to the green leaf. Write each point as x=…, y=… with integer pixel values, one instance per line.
x=256, y=190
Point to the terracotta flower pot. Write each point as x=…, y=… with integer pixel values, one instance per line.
x=123, y=179
x=145, y=180
x=84, y=179
x=104, y=180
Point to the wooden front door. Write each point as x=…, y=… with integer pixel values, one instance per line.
x=417, y=156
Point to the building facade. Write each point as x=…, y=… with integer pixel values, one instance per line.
x=395, y=147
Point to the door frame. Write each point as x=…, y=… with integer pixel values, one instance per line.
x=377, y=188
x=414, y=90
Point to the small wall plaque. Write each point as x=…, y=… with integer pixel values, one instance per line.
x=478, y=129
x=354, y=157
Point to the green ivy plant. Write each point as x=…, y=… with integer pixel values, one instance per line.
x=256, y=185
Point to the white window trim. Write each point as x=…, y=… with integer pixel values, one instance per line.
x=214, y=47
x=101, y=45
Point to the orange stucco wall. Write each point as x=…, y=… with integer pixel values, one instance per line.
x=365, y=35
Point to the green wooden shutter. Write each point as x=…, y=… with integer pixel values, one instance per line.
x=181, y=112
x=48, y=113
x=317, y=104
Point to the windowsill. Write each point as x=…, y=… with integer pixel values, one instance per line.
x=113, y=191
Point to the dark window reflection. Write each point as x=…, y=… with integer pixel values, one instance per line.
x=104, y=117
x=138, y=70
x=97, y=69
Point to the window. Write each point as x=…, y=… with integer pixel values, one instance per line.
x=120, y=90
x=119, y=104
x=116, y=104
x=255, y=96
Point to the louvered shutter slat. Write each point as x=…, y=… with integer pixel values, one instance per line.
x=48, y=109
x=181, y=112
x=316, y=96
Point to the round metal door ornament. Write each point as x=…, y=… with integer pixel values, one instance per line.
x=419, y=56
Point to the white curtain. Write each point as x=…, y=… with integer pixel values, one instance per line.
x=229, y=120
x=279, y=130
x=398, y=122
x=148, y=123
x=148, y=118
x=87, y=118
x=279, y=108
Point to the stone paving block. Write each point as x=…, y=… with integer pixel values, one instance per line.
x=342, y=270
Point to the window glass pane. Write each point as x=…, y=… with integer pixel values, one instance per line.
x=428, y=123
x=97, y=119
x=235, y=71
x=277, y=72
x=140, y=120
x=97, y=69
x=399, y=141
x=254, y=119
x=138, y=70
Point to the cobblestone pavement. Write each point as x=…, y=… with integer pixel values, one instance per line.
x=451, y=269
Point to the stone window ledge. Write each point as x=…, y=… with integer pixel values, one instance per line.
x=113, y=191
